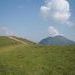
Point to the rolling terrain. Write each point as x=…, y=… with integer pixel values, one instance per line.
x=5, y=41
x=22, y=57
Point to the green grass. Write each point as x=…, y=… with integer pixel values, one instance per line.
x=5, y=41
x=37, y=60
x=31, y=59
x=25, y=40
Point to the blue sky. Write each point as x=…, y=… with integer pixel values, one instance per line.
x=24, y=18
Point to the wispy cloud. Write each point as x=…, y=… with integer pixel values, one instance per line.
x=70, y=23
x=53, y=31
x=5, y=31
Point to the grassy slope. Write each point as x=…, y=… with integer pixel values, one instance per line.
x=20, y=59
x=5, y=41
x=37, y=60
x=24, y=40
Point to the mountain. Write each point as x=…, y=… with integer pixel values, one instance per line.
x=57, y=40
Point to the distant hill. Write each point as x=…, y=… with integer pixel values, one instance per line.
x=57, y=40
x=13, y=40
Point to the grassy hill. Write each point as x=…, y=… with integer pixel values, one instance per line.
x=5, y=41
x=37, y=60
x=13, y=40
x=25, y=40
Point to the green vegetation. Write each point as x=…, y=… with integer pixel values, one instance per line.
x=25, y=40
x=20, y=59
x=5, y=41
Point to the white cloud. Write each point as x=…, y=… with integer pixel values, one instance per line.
x=70, y=23
x=56, y=9
x=53, y=31
x=4, y=31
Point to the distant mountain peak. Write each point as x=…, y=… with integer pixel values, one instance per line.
x=56, y=40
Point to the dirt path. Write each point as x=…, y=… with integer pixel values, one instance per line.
x=17, y=40
x=12, y=47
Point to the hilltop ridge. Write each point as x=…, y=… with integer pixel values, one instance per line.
x=56, y=40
